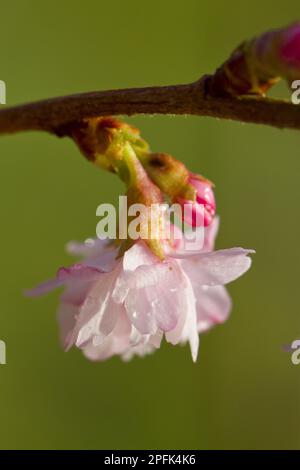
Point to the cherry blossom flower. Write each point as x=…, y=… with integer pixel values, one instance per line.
x=125, y=306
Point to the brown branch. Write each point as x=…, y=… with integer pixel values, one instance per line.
x=57, y=114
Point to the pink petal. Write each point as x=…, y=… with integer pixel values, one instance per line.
x=141, y=350
x=67, y=314
x=105, y=262
x=138, y=255
x=140, y=311
x=154, y=307
x=210, y=234
x=76, y=292
x=117, y=342
x=213, y=306
x=146, y=275
x=152, y=296
x=189, y=331
x=155, y=340
x=186, y=328
x=140, y=345
x=100, y=254
x=99, y=312
x=44, y=288
x=182, y=248
x=77, y=272
x=90, y=248
x=217, y=267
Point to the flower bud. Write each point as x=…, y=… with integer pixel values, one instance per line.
x=290, y=49
x=169, y=174
x=201, y=211
x=257, y=64
x=193, y=192
x=102, y=140
x=277, y=54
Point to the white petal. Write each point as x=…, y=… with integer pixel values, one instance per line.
x=98, y=307
x=186, y=329
x=90, y=248
x=217, y=267
x=117, y=342
x=210, y=234
x=138, y=255
x=106, y=261
x=67, y=314
x=213, y=306
x=155, y=297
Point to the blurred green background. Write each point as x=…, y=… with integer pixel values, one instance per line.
x=244, y=390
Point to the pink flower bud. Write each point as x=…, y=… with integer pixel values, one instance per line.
x=290, y=50
x=202, y=211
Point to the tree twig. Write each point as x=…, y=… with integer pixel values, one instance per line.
x=56, y=115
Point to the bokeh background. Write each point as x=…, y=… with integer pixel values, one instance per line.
x=244, y=391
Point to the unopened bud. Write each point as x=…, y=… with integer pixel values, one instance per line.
x=201, y=211
x=259, y=63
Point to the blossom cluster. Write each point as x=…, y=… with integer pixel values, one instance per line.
x=125, y=296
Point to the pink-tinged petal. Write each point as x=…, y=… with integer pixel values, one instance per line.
x=141, y=345
x=210, y=234
x=174, y=336
x=154, y=307
x=152, y=296
x=140, y=311
x=166, y=272
x=78, y=272
x=138, y=255
x=67, y=314
x=84, y=335
x=167, y=305
x=76, y=292
x=100, y=254
x=110, y=315
x=186, y=328
x=155, y=340
x=187, y=246
x=44, y=288
x=213, y=306
x=90, y=248
x=105, y=262
x=217, y=267
x=189, y=331
x=141, y=350
x=146, y=275
x=96, y=308
x=137, y=338
x=172, y=235
x=192, y=241
x=116, y=343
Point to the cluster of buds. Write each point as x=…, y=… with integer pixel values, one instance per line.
x=193, y=192
x=257, y=64
x=150, y=178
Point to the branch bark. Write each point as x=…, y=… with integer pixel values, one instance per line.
x=56, y=115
